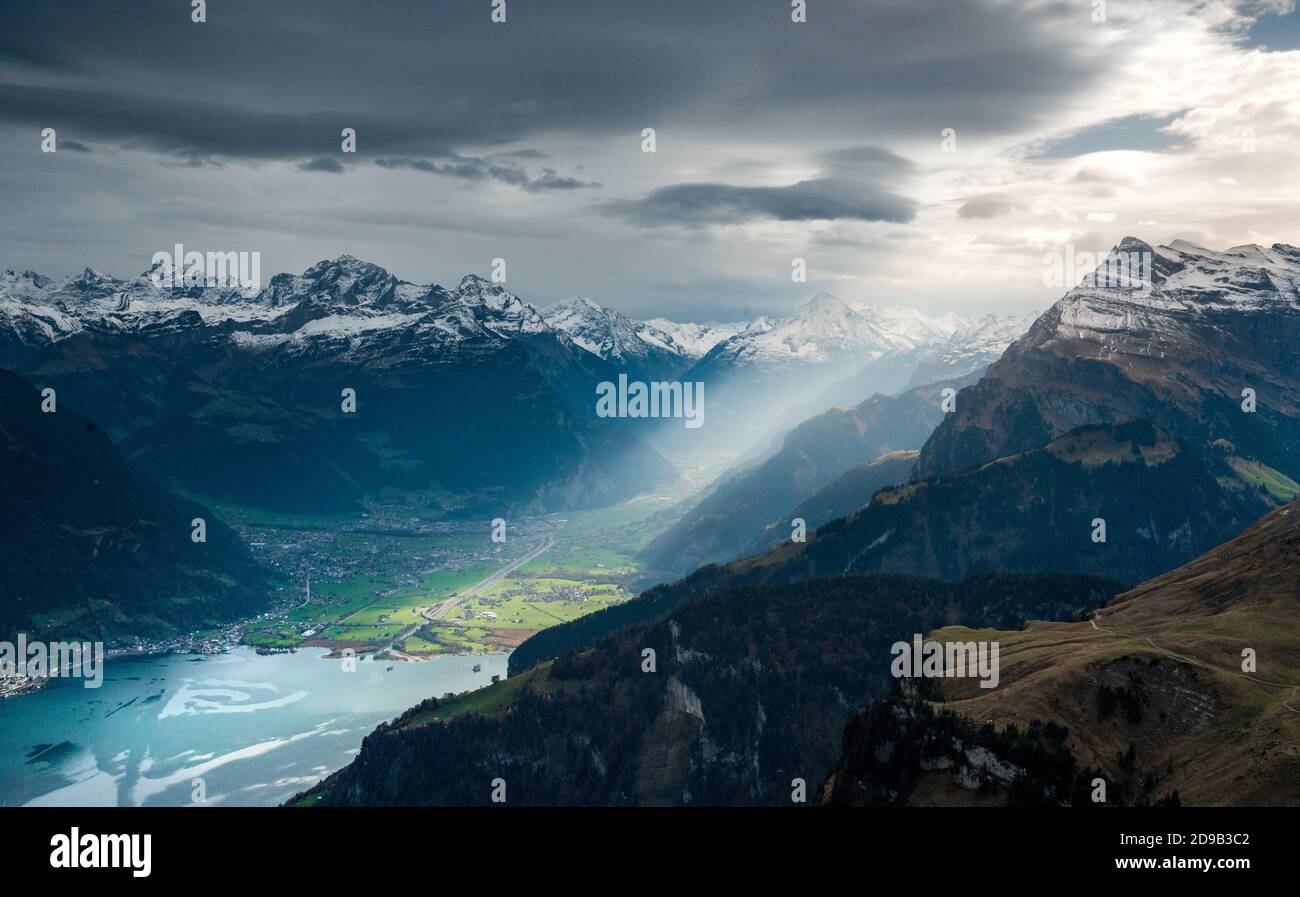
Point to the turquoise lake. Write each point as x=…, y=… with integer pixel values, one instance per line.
x=236, y=729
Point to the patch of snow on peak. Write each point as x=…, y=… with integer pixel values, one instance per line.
x=1185, y=283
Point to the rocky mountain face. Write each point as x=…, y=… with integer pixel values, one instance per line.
x=1182, y=689
x=649, y=350
x=901, y=750
x=754, y=506
x=220, y=391
x=93, y=549
x=749, y=691
x=1178, y=352
x=1035, y=496
x=1160, y=501
x=1122, y=405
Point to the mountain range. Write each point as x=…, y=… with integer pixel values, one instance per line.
x=771, y=373
x=776, y=373
x=1129, y=430
x=1162, y=498
x=657, y=349
x=218, y=392
x=216, y=389
x=234, y=395
x=1166, y=411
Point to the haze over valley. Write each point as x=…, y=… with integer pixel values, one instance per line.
x=573, y=404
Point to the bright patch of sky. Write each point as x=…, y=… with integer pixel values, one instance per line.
x=1276, y=31
x=1133, y=132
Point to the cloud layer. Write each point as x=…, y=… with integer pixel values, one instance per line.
x=822, y=140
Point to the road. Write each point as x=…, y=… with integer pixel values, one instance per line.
x=440, y=612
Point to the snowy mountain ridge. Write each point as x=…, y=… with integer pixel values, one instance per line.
x=351, y=301
x=826, y=331
x=1187, y=279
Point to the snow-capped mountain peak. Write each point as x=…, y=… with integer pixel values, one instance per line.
x=87, y=284
x=920, y=327
x=691, y=340
x=600, y=330
x=497, y=308
x=658, y=347
x=984, y=339
x=347, y=280
x=825, y=330
x=25, y=284
x=345, y=270
x=1174, y=285
x=822, y=303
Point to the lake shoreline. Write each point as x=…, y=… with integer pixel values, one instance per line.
x=254, y=729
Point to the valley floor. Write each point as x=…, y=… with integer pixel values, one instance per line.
x=393, y=584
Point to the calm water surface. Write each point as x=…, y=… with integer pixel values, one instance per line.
x=254, y=729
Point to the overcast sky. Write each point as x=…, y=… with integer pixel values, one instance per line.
x=775, y=140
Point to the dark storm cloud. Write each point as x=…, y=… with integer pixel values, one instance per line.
x=552, y=102
x=550, y=180
x=426, y=79
x=823, y=198
x=179, y=125
x=850, y=188
x=190, y=158
x=492, y=169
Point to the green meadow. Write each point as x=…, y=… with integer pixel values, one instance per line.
x=589, y=567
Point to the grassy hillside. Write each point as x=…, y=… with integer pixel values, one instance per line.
x=1150, y=693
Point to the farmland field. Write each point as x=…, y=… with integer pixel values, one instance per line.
x=376, y=587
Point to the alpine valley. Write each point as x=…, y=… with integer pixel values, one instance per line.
x=470, y=407
x=1133, y=430
x=466, y=404
x=867, y=473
